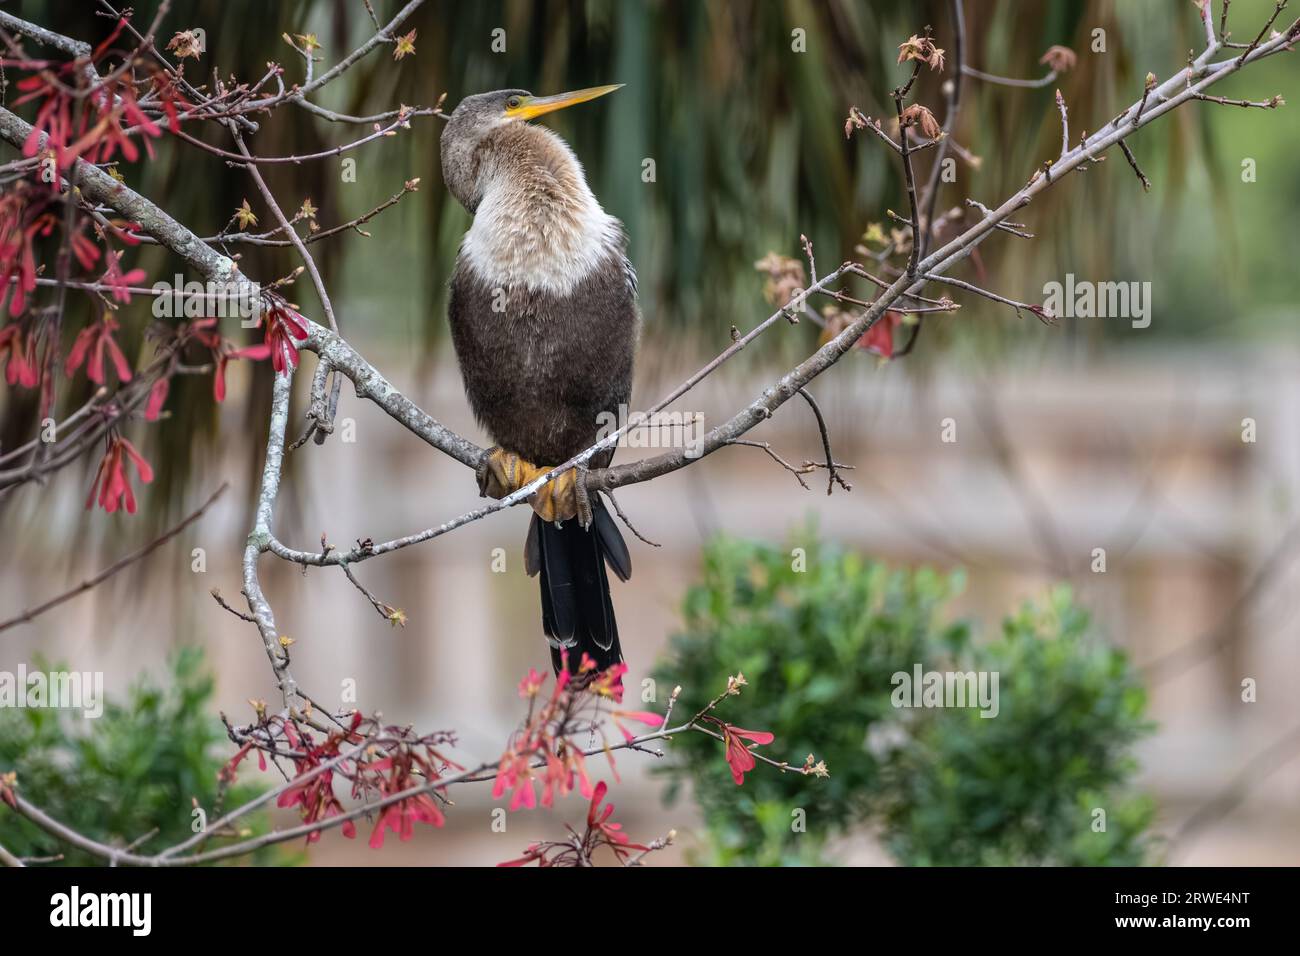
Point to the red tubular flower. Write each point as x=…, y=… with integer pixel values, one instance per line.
x=313, y=795
x=98, y=133
x=53, y=119
x=120, y=282
x=578, y=850
x=577, y=765
x=230, y=770
x=110, y=137
x=157, y=398
x=22, y=219
x=880, y=337
x=609, y=682
x=558, y=777
x=739, y=759
x=316, y=800
x=282, y=326
x=21, y=367
x=204, y=331
x=651, y=720
x=610, y=833
x=534, y=854
x=171, y=99
x=515, y=774
x=84, y=249
x=505, y=778
x=532, y=683
x=110, y=479
x=524, y=794
x=601, y=789
x=95, y=340
x=253, y=352
x=402, y=816
x=16, y=259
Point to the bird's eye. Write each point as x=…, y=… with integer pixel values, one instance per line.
x=514, y=103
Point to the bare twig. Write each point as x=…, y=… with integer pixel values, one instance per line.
x=1037, y=310
x=908, y=176
x=1278, y=7
x=1132, y=161
x=796, y=470
x=619, y=511
x=8, y=859
x=832, y=469
x=116, y=566
x=1042, y=81
x=386, y=611
x=1271, y=103
x=216, y=596
x=1065, y=124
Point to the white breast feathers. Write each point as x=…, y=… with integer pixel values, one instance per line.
x=538, y=224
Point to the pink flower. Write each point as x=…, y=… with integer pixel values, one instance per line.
x=525, y=795
x=23, y=219
x=577, y=764
x=609, y=683
x=95, y=133
x=94, y=340
x=739, y=759
x=21, y=368
x=402, y=816
x=254, y=353
x=157, y=398
x=110, y=479
x=611, y=833
x=558, y=777
x=282, y=326
x=531, y=684
x=646, y=717
x=316, y=800
x=84, y=249
x=204, y=331
x=120, y=282
x=515, y=774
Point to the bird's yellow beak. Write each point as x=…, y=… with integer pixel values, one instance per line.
x=534, y=106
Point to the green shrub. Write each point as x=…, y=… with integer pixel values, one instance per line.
x=819, y=648
x=1026, y=787
x=115, y=778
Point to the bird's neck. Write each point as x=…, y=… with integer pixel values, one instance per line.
x=537, y=223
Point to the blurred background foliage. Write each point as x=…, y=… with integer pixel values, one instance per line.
x=749, y=151
x=143, y=766
x=939, y=786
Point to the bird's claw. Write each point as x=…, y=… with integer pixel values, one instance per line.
x=564, y=498
x=497, y=473
x=502, y=473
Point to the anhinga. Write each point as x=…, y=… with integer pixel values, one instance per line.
x=545, y=325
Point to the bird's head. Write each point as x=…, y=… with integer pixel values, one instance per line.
x=477, y=116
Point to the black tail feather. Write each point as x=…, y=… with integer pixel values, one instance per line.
x=612, y=544
x=577, y=613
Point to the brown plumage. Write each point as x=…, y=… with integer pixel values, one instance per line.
x=539, y=371
x=544, y=322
